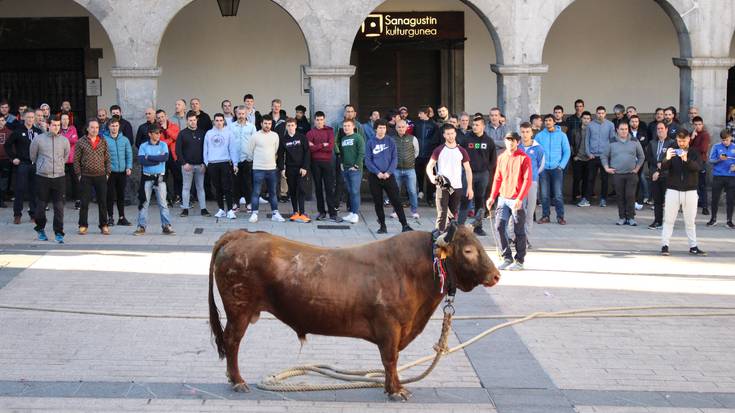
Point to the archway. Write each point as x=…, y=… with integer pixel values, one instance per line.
x=625, y=58
x=450, y=65
x=80, y=49
x=205, y=55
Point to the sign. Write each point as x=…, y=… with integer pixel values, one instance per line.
x=94, y=87
x=412, y=26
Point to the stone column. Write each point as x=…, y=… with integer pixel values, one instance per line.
x=704, y=85
x=330, y=89
x=136, y=91
x=519, y=91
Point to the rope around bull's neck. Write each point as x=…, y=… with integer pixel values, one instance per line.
x=359, y=379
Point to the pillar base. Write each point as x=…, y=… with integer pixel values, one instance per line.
x=330, y=89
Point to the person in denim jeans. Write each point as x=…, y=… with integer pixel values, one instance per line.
x=351, y=147
x=556, y=148
x=408, y=151
x=263, y=149
x=152, y=156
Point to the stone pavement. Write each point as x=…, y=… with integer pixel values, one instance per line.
x=163, y=359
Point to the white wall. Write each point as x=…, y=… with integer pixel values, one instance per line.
x=97, y=36
x=611, y=51
x=214, y=58
x=480, y=89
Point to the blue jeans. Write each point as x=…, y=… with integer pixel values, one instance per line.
x=160, y=189
x=409, y=177
x=353, y=179
x=271, y=180
x=551, y=181
x=503, y=214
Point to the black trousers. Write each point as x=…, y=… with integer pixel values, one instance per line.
x=323, y=174
x=295, y=191
x=504, y=213
x=480, y=181
x=5, y=168
x=221, y=175
x=173, y=173
x=390, y=186
x=99, y=183
x=446, y=204
x=25, y=186
x=116, y=183
x=658, y=191
x=719, y=184
x=422, y=181
x=580, y=179
x=54, y=190
x=625, y=186
x=242, y=183
x=702, y=188
x=340, y=189
x=72, y=182
x=594, y=166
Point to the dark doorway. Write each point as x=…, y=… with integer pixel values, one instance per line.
x=38, y=75
x=389, y=78
x=730, y=89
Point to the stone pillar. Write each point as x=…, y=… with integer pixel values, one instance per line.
x=704, y=85
x=519, y=91
x=330, y=89
x=136, y=91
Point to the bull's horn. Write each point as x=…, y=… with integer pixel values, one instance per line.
x=441, y=240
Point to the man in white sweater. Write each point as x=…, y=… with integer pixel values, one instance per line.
x=263, y=150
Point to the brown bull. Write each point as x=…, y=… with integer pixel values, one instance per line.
x=383, y=292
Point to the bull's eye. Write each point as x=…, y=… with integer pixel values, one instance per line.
x=468, y=251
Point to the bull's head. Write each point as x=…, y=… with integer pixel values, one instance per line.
x=468, y=261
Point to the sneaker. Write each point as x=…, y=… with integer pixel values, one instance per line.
x=406, y=228
x=16, y=220
x=697, y=251
x=583, y=203
x=248, y=208
x=168, y=230
x=235, y=207
x=421, y=195
x=603, y=203
x=262, y=201
x=105, y=230
x=712, y=222
x=665, y=251
x=59, y=238
x=335, y=218
x=730, y=225
x=231, y=214
x=253, y=217
x=415, y=215
x=139, y=231
x=354, y=219
x=705, y=211
x=393, y=214
x=242, y=200
x=321, y=217
x=638, y=206
x=632, y=223
x=42, y=235
x=205, y=213
x=516, y=266
x=561, y=221
x=505, y=264
x=220, y=214
x=544, y=220
x=648, y=201
x=184, y=213
x=276, y=216
x=304, y=219
x=111, y=221
x=82, y=230
x=655, y=225
x=621, y=221
x=77, y=204
x=479, y=231
x=382, y=230
x=124, y=222
x=294, y=216
x=386, y=202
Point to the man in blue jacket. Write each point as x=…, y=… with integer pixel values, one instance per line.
x=121, y=160
x=722, y=158
x=381, y=159
x=555, y=144
x=152, y=156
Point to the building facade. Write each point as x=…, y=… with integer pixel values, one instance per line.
x=521, y=55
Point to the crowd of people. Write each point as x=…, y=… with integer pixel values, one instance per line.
x=462, y=165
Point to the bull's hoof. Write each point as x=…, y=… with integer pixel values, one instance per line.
x=401, y=396
x=241, y=387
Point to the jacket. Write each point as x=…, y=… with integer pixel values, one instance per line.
x=556, y=148
x=242, y=134
x=683, y=176
x=381, y=155
x=425, y=132
x=141, y=136
x=625, y=156
x=653, y=157
x=169, y=136
x=722, y=167
x=49, y=153
x=153, y=157
x=90, y=160
x=190, y=146
x=577, y=141
x=17, y=146
x=598, y=138
x=408, y=148
x=482, y=152
x=121, y=153
x=352, y=151
x=294, y=151
x=317, y=139
x=512, y=178
x=536, y=153
x=700, y=143
x=220, y=146
x=73, y=137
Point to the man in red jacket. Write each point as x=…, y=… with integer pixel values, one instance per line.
x=700, y=143
x=169, y=133
x=513, y=178
x=321, y=146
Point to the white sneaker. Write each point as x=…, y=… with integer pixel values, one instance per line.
x=352, y=218
x=253, y=217
x=220, y=214
x=638, y=206
x=263, y=201
x=393, y=215
x=415, y=215
x=277, y=217
x=248, y=207
x=348, y=217
x=421, y=195
x=242, y=201
x=231, y=214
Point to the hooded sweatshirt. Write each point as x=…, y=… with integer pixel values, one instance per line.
x=381, y=155
x=294, y=150
x=556, y=147
x=317, y=138
x=49, y=153
x=71, y=135
x=536, y=153
x=220, y=146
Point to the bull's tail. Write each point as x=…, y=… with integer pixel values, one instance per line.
x=214, y=322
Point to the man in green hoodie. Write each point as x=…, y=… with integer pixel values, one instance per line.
x=351, y=148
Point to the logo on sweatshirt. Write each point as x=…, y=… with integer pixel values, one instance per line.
x=218, y=140
x=379, y=148
x=348, y=142
x=478, y=146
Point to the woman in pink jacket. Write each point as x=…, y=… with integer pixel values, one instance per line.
x=70, y=132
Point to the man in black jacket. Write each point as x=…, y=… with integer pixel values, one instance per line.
x=190, y=148
x=683, y=165
x=204, y=122
x=141, y=136
x=424, y=129
x=483, y=159
x=293, y=153
x=18, y=149
x=655, y=154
